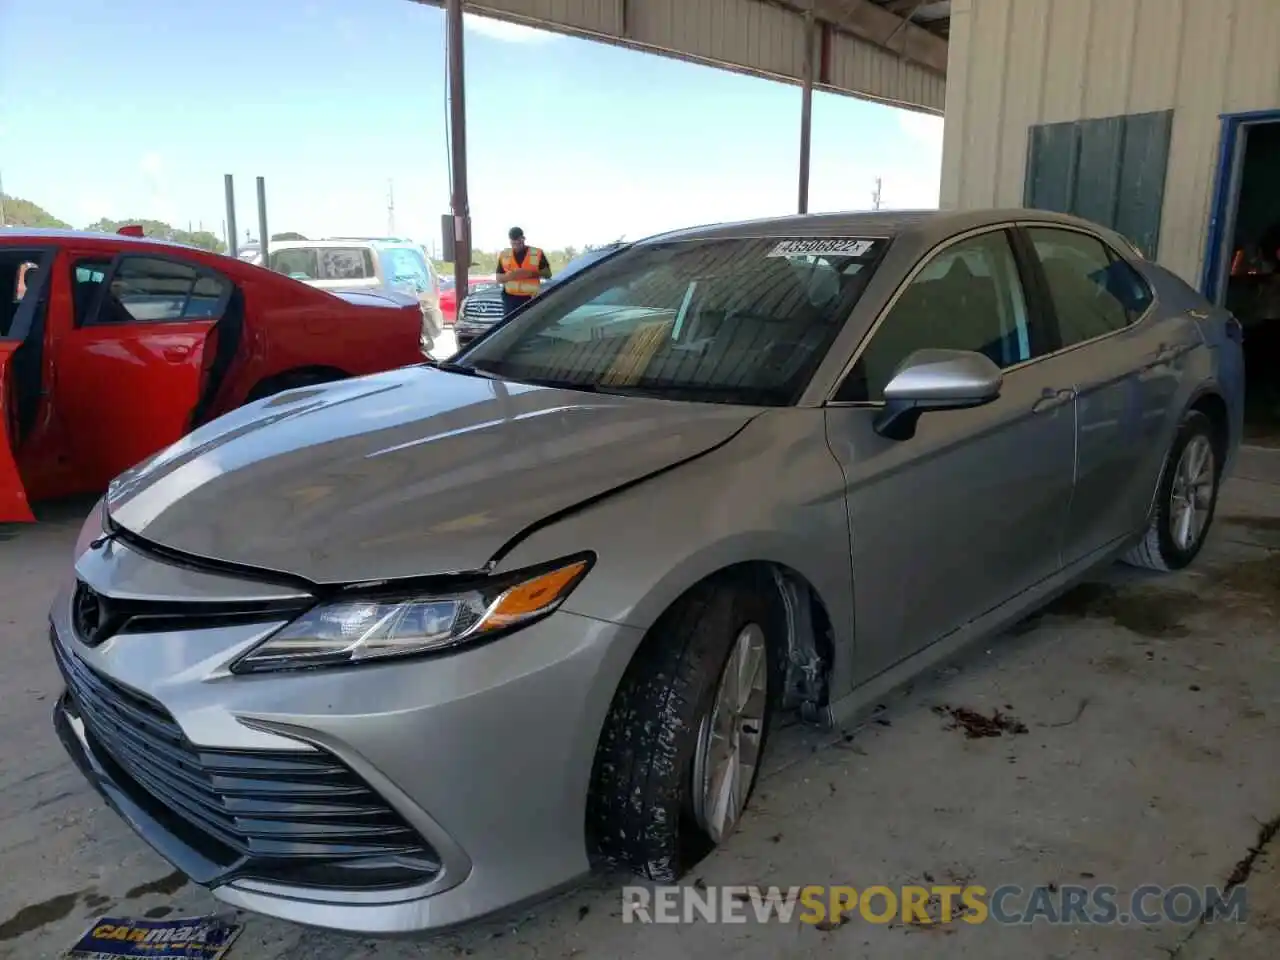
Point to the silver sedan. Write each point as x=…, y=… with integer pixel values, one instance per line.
x=393, y=653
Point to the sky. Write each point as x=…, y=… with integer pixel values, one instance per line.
x=137, y=108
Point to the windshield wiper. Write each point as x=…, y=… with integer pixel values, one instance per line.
x=449, y=366
x=561, y=384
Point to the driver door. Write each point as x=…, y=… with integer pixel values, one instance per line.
x=22, y=334
x=130, y=371
x=13, y=495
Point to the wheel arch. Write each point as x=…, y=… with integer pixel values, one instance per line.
x=294, y=376
x=809, y=644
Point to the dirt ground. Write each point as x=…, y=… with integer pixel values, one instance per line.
x=1141, y=717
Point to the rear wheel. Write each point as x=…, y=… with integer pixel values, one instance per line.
x=681, y=749
x=1185, y=501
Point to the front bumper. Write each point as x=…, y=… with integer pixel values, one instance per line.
x=484, y=758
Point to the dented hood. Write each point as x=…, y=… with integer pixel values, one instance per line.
x=407, y=473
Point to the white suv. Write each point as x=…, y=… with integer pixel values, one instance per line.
x=366, y=264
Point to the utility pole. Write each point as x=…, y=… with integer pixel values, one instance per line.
x=229, y=225
x=458, y=144
x=806, y=111
x=391, y=208
x=2, y=220
x=875, y=196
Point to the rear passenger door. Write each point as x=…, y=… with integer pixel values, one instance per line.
x=130, y=372
x=1126, y=369
x=970, y=511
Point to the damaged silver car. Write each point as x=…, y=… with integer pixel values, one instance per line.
x=389, y=654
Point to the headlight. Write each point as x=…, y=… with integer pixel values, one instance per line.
x=358, y=629
x=94, y=526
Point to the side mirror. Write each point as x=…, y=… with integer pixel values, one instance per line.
x=935, y=380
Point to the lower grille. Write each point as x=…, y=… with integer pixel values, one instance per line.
x=300, y=818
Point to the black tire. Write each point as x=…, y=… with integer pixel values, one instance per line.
x=640, y=811
x=290, y=381
x=1158, y=549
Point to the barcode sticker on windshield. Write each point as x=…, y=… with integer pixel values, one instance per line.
x=831, y=246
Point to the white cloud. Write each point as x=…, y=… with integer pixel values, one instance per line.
x=505, y=31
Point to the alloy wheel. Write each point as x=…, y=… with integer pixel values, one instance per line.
x=730, y=736
x=1191, y=496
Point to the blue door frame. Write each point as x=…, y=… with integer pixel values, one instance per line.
x=1226, y=192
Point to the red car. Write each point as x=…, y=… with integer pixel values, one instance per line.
x=449, y=295
x=113, y=347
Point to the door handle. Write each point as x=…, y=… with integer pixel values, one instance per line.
x=1051, y=398
x=175, y=354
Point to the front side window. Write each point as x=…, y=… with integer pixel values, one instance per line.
x=968, y=297
x=151, y=290
x=729, y=321
x=406, y=269
x=1093, y=291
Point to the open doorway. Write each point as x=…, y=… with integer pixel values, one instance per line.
x=1242, y=266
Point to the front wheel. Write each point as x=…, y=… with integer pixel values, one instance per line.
x=1185, y=500
x=681, y=749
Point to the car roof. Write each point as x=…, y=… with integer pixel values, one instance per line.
x=124, y=239
x=929, y=225
x=343, y=242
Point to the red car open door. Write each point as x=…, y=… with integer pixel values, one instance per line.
x=130, y=372
x=13, y=497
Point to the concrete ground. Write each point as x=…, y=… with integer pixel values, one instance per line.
x=1151, y=709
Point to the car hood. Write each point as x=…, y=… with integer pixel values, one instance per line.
x=408, y=473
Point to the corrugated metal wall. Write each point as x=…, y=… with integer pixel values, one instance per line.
x=751, y=36
x=1017, y=63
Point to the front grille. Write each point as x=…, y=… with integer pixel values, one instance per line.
x=285, y=816
x=487, y=308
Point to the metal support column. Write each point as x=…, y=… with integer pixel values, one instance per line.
x=233, y=241
x=263, y=236
x=458, y=145
x=806, y=110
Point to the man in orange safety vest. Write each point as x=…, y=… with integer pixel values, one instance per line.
x=521, y=270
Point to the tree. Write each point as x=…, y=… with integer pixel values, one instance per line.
x=160, y=230
x=289, y=235
x=24, y=213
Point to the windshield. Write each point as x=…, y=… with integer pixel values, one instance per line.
x=727, y=321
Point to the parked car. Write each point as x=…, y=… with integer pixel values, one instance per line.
x=364, y=264
x=436, y=640
x=449, y=295
x=122, y=344
x=483, y=306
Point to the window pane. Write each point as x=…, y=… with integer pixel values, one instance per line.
x=407, y=269
x=732, y=321
x=1078, y=270
x=342, y=263
x=149, y=290
x=968, y=297
x=206, y=298
x=89, y=275
x=301, y=263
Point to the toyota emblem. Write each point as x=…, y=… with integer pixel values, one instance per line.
x=89, y=615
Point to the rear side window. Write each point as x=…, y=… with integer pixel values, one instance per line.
x=1093, y=291
x=345, y=263
x=151, y=290
x=301, y=263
